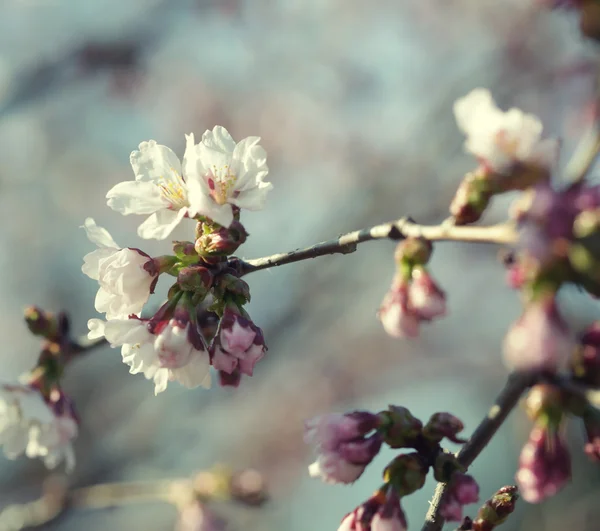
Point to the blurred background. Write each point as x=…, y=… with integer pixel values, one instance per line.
x=353, y=101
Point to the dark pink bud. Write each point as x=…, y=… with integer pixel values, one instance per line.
x=342, y=446
x=544, y=465
x=238, y=344
x=389, y=516
x=462, y=490
x=442, y=425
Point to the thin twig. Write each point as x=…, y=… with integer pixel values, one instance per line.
x=247, y=487
x=508, y=398
x=503, y=233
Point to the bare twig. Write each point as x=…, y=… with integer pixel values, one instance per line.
x=247, y=487
x=508, y=398
x=503, y=233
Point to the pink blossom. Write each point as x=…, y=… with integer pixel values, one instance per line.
x=343, y=449
x=539, y=340
x=544, y=465
x=462, y=490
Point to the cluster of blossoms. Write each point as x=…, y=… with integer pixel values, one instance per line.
x=216, y=179
x=346, y=444
x=37, y=418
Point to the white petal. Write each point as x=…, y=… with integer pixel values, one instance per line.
x=98, y=235
x=160, y=224
x=195, y=372
x=91, y=261
x=96, y=327
x=154, y=162
x=218, y=139
x=203, y=204
x=161, y=379
x=136, y=197
x=253, y=199
x=249, y=163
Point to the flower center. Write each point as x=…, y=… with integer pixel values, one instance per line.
x=508, y=144
x=221, y=182
x=173, y=189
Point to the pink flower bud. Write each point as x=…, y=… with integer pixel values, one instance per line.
x=408, y=303
x=238, y=344
x=343, y=449
x=425, y=297
x=539, y=340
x=395, y=315
x=390, y=516
x=544, y=465
x=462, y=490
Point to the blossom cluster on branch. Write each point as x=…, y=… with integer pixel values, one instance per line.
x=203, y=326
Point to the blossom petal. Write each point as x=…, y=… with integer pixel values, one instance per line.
x=203, y=204
x=98, y=235
x=218, y=139
x=160, y=224
x=136, y=197
x=154, y=162
x=254, y=198
x=195, y=372
x=91, y=261
x=96, y=327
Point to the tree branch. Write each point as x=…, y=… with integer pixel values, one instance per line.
x=508, y=398
x=503, y=233
x=247, y=487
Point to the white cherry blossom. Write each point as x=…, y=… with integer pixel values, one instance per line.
x=29, y=426
x=501, y=139
x=174, y=352
x=126, y=276
x=230, y=174
x=214, y=175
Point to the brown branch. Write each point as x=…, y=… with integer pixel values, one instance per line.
x=503, y=233
x=508, y=398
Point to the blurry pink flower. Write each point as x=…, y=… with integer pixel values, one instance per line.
x=343, y=449
x=463, y=490
x=544, y=465
x=539, y=340
x=410, y=302
x=427, y=300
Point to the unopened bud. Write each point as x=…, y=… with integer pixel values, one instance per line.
x=445, y=466
x=196, y=279
x=442, y=425
x=220, y=242
x=414, y=251
x=406, y=473
x=496, y=510
x=228, y=284
x=184, y=249
x=472, y=198
x=401, y=427
x=53, y=327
